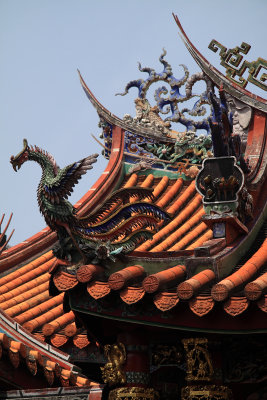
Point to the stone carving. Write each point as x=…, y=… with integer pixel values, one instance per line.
x=198, y=360
x=241, y=117
x=112, y=372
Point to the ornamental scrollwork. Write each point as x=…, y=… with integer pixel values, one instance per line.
x=231, y=60
x=198, y=360
x=133, y=393
x=167, y=101
x=185, y=155
x=211, y=392
x=112, y=372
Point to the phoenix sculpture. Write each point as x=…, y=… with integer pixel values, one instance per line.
x=116, y=226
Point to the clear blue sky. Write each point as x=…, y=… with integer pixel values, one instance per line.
x=43, y=42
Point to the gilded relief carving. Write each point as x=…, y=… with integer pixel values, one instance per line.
x=134, y=393
x=211, y=392
x=163, y=354
x=112, y=372
x=198, y=360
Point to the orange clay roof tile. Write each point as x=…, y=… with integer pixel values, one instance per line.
x=262, y=303
x=202, y=239
x=29, y=303
x=131, y=295
x=88, y=272
x=81, y=341
x=26, y=272
x=39, y=336
x=16, y=282
x=236, y=305
x=58, y=340
x=183, y=198
x=161, y=186
x=26, y=294
x=39, y=309
x=70, y=330
x=119, y=279
x=173, y=190
x=35, y=360
x=201, y=305
x=131, y=181
x=171, y=230
x=64, y=281
x=57, y=324
x=173, y=225
x=192, y=286
x=254, y=290
x=189, y=237
x=23, y=288
x=222, y=290
x=98, y=289
x=44, y=318
x=166, y=278
x=189, y=224
x=165, y=301
x=146, y=184
x=148, y=181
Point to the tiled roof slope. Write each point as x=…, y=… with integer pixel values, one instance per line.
x=24, y=297
x=24, y=292
x=19, y=347
x=180, y=237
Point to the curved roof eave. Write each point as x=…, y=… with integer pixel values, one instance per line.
x=114, y=120
x=218, y=78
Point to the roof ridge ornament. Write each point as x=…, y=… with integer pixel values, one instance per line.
x=148, y=115
x=105, y=232
x=231, y=60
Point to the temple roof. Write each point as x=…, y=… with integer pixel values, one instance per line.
x=184, y=270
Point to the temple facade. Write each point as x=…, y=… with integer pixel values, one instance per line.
x=153, y=285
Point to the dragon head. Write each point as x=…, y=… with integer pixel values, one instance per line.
x=21, y=157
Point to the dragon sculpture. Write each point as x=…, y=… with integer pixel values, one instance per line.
x=108, y=230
